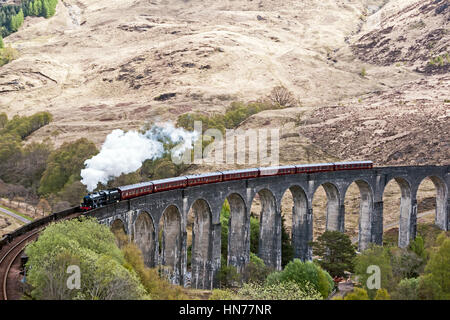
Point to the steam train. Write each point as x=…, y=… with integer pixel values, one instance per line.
x=105, y=197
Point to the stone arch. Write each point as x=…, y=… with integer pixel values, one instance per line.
x=269, y=247
x=144, y=237
x=170, y=249
x=301, y=233
x=407, y=212
x=334, y=212
x=365, y=213
x=238, y=232
x=441, y=200
x=201, y=244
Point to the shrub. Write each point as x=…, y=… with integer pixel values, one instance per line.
x=357, y=294
x=407, y=289
x=289, y=290
x=382, y=294
x=302, y=272
x=7, y=55
x=256, y=270
x=218, y=294
x=228, y=276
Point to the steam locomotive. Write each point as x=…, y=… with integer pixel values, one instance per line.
x=105, y=197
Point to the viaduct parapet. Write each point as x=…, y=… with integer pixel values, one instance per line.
x=141, y=217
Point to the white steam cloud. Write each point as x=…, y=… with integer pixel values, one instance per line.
x=124, y=152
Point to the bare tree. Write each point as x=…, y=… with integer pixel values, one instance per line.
x=283, y=97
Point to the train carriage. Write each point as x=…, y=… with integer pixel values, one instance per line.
x=353, y=165
x=318, y=167
x=277, y=171
x=240, y=174
x=136, y=190
x=196, y=179
x=169, y=184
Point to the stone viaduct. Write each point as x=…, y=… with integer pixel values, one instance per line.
x=140, y=217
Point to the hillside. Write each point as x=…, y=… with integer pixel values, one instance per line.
x=371, y=75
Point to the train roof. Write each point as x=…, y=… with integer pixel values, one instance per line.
x=169, y=180
x=239, y=171
x=354, y=162
x=314, y=165
x=278, y=167
x=135, y=186
x=204, y=175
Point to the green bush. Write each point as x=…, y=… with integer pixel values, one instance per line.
x=407, y=289
x=218, y=294
x=302, y=272
x=289, y=290
x=256, y=271
x=228, y=276
x=357, y=294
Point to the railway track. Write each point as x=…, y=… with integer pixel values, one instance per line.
x=7, y=260
x=10, y=252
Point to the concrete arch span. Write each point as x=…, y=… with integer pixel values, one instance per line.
x=201, y=254
x=238, y=232
x=366, y=209
x=144, y=237
x=170, y=242
x=269, y=248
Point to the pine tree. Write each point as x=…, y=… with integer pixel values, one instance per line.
x=336, y=252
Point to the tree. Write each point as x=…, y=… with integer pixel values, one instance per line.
x=90, y=246
x=336, y=252
x=2, y=45
x=406, y=264
x=65, y=164
x=281, y=96
x=438, y=269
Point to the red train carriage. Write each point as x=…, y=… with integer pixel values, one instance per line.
x=197, y=179
x=240, y=174
x=353, y=165
x=277, y=171
x=169, y=184
x=311, y=168
x=135, y=190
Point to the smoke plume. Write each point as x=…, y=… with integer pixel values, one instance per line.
x=124, y=152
